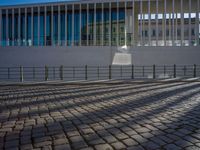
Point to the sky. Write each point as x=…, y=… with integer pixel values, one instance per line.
x=15, y=2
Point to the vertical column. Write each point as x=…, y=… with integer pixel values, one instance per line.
x=19, y=28
x=165, y=22
x=182, y=23
x=125, y=23
x=133, y=23
x=59, y=28
x=109, y=24
x=156, y=22
x=197, y=22
x=87, y=24
x=13, y=13
x=31, y=25
x=95, y=22
x=149, y=22
x=190, y=23
x=25, y=26
x=73, y=25
x=52, y=38
x=141, y=18
x=80, y=23
x=173, y=24
x=7, y=41
x=45, y=25
x=38, y=26
x=102, y=36
x=66, y=25
x=0, y=27
x=117, y=23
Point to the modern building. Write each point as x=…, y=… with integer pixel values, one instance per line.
x=101, y=32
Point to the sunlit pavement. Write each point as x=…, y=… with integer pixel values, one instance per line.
x=149, y=115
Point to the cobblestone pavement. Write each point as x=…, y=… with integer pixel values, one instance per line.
x=133, y=116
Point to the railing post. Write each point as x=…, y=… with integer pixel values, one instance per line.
x=8, y=73
x=86, y=75
x=174, y=71
x=132, y=70
x=194, y=70
x=154, y=71
x=46, y=73
x=110, y=73
x=61, y=72
x=21, y=74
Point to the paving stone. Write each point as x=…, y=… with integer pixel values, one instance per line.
x=103, y=147
x=62, y=147
x=171, y=147
x=130, y=142
x=118, y=145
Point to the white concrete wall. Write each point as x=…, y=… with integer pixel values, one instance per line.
x=76, y=56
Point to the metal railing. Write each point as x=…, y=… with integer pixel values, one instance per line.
x=72, y=73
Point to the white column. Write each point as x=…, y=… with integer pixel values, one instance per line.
x=7, y=41
x=80, y=24
x=141, y=24
x=125, y=23
x=19, y=28
x=133, y=23
x=110, y=24
x=52, y=39
x=66, y=25
x=73, y=25
x=0, y=27
x=149, y=22
x=197, y=22
x=157, y=23
x=117, y=23
x=102, y=25
x=190, y=23
x=173, y=24
x=87, y=24
x=182, y=23
x=95, y=24
x=45, y=25
x=38, y=26
x=32, y=26
x=59, y=28
x=13, y=13
x=165, y=22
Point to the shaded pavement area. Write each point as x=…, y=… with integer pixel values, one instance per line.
x=133, y=116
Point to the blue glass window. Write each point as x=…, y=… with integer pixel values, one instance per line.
x=48, y=27
x=55, y=26
x=84, y=25
x=98, y=24
x=69, y=27
x=42, y=26
x=114, y=24
x=35, y=27
x=76, y=26
x=16, y=25
x=10, y=28
x=106, y=24
x=121, y=24
x=29, y=42
x=22, y=34
x=91, y=24
x=3, y=28
x=62, y=26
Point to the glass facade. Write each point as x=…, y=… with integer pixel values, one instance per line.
x=132, y=23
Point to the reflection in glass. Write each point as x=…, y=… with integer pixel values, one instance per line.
x=69, y=25
x=35, y=27
x=42, y=26
x=55, y=25
x=16, y=28
x=22, y=34
x=91, y=25
x=84, y=25
x=98, y=24
x=48, y=26
x=113, y=24
x=28, y=40
x=62, y=25
x=3, y=28
x=9, y=27
x=76, y=25
x=106, y=24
